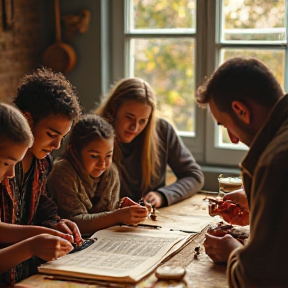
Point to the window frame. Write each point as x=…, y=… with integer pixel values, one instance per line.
x=228, y=155
x=208, y=51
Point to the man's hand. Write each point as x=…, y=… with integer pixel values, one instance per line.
x=233, y=208
x=220, y=248
x=239, y=197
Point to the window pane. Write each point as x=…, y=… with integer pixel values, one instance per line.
x=159, y=14
x=168, y=65
x=250, y=20
x=223, y=140
x=274, y=59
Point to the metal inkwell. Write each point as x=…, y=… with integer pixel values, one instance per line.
x=83, y=245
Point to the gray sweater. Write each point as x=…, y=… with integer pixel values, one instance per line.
x=190, y=178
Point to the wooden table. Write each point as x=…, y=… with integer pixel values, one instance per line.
x=190, y=214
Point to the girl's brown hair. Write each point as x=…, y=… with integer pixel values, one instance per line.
x=140, y=91
x=90, y=127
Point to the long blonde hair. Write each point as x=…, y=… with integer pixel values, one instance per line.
x=138, y=90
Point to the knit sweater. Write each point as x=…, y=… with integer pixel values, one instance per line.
x=78, y=196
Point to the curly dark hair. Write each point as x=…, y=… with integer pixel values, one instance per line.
x=90, y=127
x=45, y=92
x=240, y=79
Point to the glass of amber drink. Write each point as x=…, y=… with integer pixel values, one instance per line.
x=228, y=183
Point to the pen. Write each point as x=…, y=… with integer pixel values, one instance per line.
x=143, y=225
x=185, y=231
x=149, y=225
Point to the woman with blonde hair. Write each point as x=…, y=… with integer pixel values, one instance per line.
x=146, y=145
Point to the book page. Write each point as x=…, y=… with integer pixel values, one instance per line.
x=119, y=252
x=190, y=215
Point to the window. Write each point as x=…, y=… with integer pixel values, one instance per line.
x=161, y=41
x=174, y=44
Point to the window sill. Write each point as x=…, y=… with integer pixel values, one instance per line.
x=211, y=174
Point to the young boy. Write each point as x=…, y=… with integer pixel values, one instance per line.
x=50, y=105
x=15, y=139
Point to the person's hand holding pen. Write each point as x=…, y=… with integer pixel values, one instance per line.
x=126, y=201
x=130, y=212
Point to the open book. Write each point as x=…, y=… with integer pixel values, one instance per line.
x=120, y=254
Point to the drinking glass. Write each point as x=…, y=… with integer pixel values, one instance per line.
x=228, y=183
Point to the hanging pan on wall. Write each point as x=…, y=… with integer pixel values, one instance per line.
x=59, y=56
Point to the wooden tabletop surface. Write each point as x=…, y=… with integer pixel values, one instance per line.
x=192, y=215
